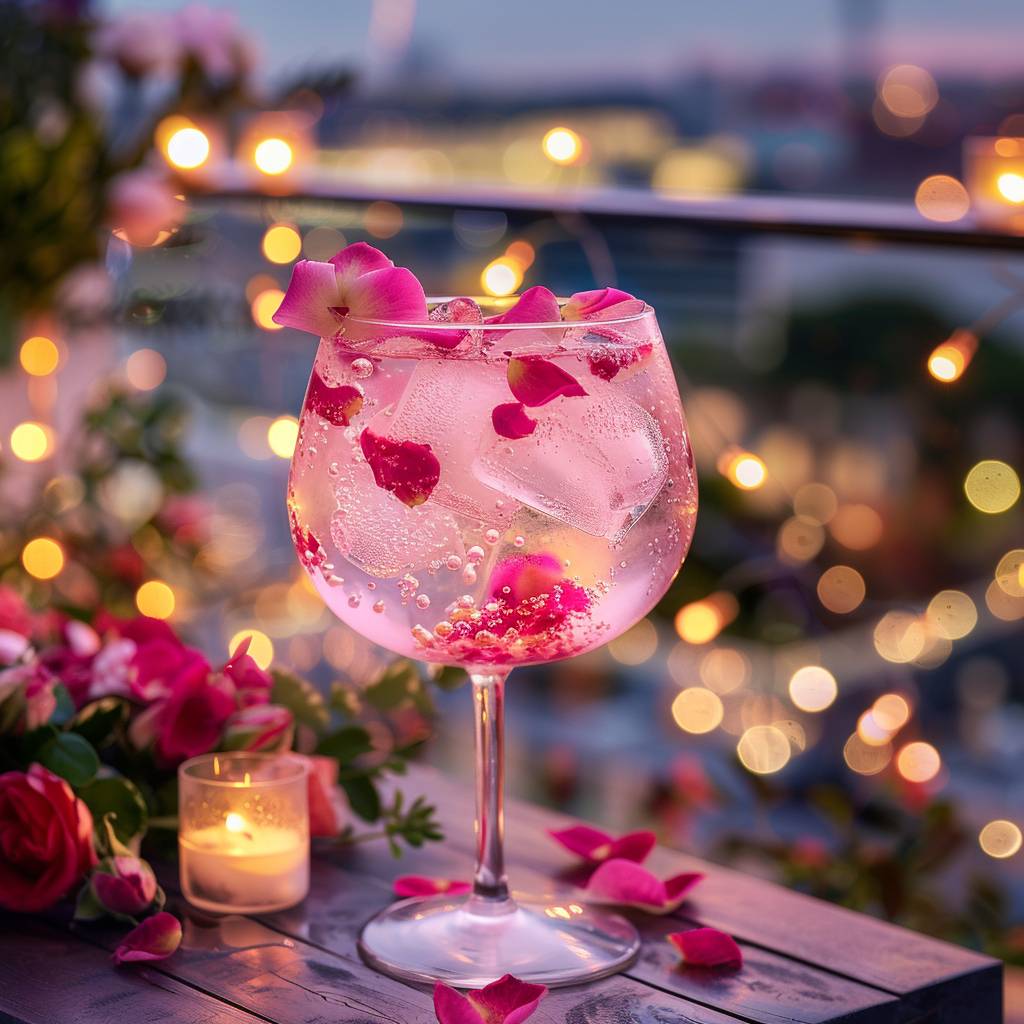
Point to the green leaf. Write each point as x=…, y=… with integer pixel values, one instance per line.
x=96, y=721
x=346, y=744
x=87, y=907
x=65, y=709
x=70, y=756
x=301, y=697
x=362, y=797
x=120, y=798
x=400, y=682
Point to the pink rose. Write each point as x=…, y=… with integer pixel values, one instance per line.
x=124, y=885
x=191, y=720
x=14, y=613
x=72, y=661
x=326, y=802
x=45, y=839
x=266, y=727
x=27, y=698
x=252, y=683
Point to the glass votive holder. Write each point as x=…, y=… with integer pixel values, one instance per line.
x=994, y=176
x=243, y=832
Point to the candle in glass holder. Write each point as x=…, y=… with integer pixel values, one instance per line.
x=243, y=832
x=994, y=175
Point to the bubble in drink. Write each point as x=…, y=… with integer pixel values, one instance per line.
x=362, y=368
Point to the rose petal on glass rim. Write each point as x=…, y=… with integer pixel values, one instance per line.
x=536, y=305
x=536, y=381
x=707, y=947
x=421, y=885
x=338, y=405
x=596, y=846
x=355, y=260
x=393, y=293
x=312, y=292
x=155, y=939
x=510, y=420
x=410, y=471
x=586, y=304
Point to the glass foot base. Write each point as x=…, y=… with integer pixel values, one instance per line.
x=470, y=943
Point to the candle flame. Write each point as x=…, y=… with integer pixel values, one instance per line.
x=216, y=765
x=234, y=822
x=246, y=779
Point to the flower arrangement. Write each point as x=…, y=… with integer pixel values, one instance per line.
x=95, y=717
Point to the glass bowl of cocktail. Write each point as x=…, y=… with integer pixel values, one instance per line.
x=486, y=484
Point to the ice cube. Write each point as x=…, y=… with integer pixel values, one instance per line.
x=595, y=464
x=447, y=404
x=381, y=535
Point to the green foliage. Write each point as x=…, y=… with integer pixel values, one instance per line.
x=99, y=720
x=304, y=700
x=70, y=756
x=116, y=799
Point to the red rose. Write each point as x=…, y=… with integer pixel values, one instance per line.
x=191, y=720
x=14, y=613
x=45, y=839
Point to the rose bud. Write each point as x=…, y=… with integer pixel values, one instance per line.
x=266, y=727
x=124, y=885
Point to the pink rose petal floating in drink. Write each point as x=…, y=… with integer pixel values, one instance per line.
x=408, y=470
x=628, y=884
x=359, y=281
x=536, y=305
x=421, y=885
x=606, y=361
x=707, y=947
x=596, y=846
x=534, y=594
x=510, y=420
x=155, y=939
x=536, y=381
x=337, y=405
x=505, y=1001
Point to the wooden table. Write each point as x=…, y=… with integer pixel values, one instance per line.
x=805, y=961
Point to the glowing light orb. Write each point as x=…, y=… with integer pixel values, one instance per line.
x=39, y=356
x=264, y=306
x=697, y=710
x=261, y=648
x=918, y=762
x=951, y=613
x=562, y=145
x=891, y=712
x=155, y=599
x=31, y=441
x=763, y=749
x=1011, y=186
x=501, y=276
x=282, y=436
x=187, y=148
x=273, y=156
x=698, y=622
x=42, y=558
x=992, y=486
x=841, y=589
x=145, y=369
x=1000, y=839
x=813, y=688
x=942, y=198
x=281, y=243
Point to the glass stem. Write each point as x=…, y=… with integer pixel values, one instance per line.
x=490, y=886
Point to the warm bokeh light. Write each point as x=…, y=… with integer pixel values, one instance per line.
x=187, y=148
x=799, y=540
x=1002, y=605
x=816, y=503
x=891, y=712
x=562, y=145
x=724, y=669
x=1010, y=573
x=522, y=252
x=1000, y=839
x=501, y=276
x=865, y=758
x=992, y=486
x=155, y=599
x=857, y=527
x=942, y=198
x=383, y=219
x=918, y=762
x=699, y=622
x=949, y=360
x=281, y=243
x=841, y=589
x=282, y=436
x=744, y=469
x=951, y=614
x=637, y=645
x=39, y=356
x=900, y=637
x=264, y=306
x=273, y=156
x=763, y=749
x=31, y=441
x=871, y=731
x=42, y=558
x=321, y=243
x=813, y=688
x=697, y=710
x=261, y=648
x=1011, y=186
x=145, y=369
x=908, y=91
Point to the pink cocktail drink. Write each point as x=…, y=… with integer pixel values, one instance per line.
x=486, y=487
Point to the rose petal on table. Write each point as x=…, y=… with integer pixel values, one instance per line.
x=510, y=420
x=338, y=405
x=536, y=381
x=628, y=884
x=507, y=1000
x=707, y=947
x=536, y=305
x=678, y=888
x=422, y=885
x=588, y=304
x=595, y=846
x=451, y=1007
x=155, y=939
x=312, y=294
x=410, y=471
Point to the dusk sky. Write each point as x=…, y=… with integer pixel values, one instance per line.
x=544, y=42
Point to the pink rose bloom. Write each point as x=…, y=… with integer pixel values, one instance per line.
x=14, y=613
x=191, y=720
x=252, y=683
x=26, y=697
x=45, y=839
x=72, y=661
x=124, y=885
x=142, y=204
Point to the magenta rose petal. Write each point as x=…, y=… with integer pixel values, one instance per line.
x=628, y=884
x=421, y=885
x=311, y=295
x=581, y=840
x=410, y=471
x=355, y=260
x=587, y=304
x=155, y=939
x=510, y=420
x=536, y=381
x=507, y=1000
x=678, y=888
x=451, y=1007
x=338, y=405
x=707, y=947
x=393, y=293
x=536, y=305
x=607, y=360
